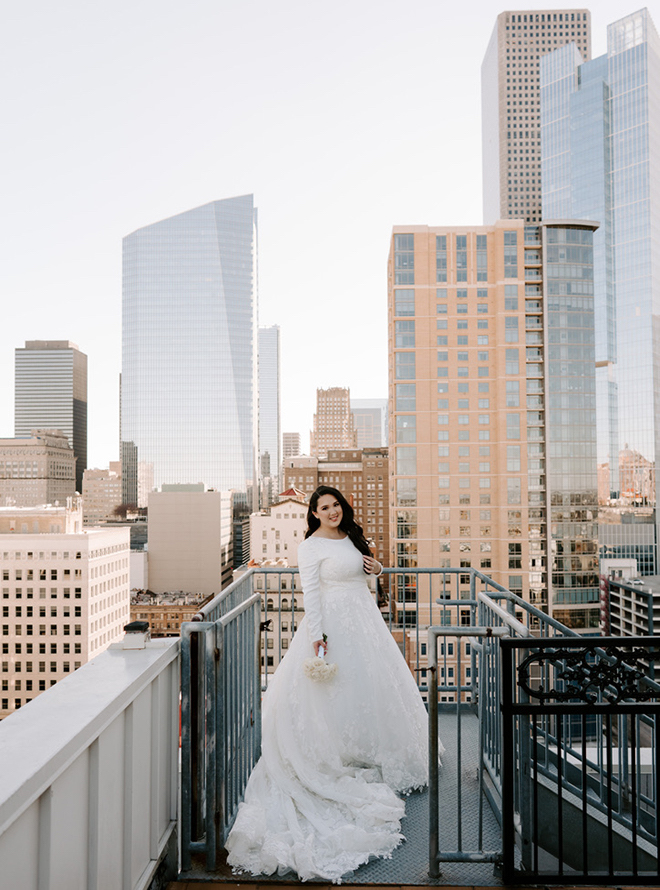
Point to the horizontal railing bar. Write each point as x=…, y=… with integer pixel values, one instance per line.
x=238, y=610
x=493, y=856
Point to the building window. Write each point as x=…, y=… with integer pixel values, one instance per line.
x=405, y=365
x=482, y=258
x=513, y=458
x=441, y=258
x=513, y=426
x=405, y=333
x=511, y=329
x=461, y=258
x=510, y=254
x=404, y=302
x=404, y=259
x=405, y=397
x=406, y=428
x=512, y=393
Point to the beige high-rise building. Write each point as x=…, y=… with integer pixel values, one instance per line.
x=65, y=598
x=510, y=102
x=190, y=541
x=361, y=476
x=334, y=424
x=102, y=494
x=290, y=444
x=492, y=409
x=37, y=470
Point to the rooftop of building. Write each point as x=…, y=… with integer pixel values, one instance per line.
x=169, y=598
x=51, y=344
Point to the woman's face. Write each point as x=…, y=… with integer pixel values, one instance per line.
x=328, y=512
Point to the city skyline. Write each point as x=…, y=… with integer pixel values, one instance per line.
x=308, y=129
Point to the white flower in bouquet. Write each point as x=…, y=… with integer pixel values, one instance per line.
x=317, y=668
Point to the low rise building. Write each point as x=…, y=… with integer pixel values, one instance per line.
x=37, y=470
x=276, y=533
x=102, y=494
x=165, y=612
x=630, y=607
x=65, y=598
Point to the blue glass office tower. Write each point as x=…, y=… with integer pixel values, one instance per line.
x=600, y=144
x=189, y=353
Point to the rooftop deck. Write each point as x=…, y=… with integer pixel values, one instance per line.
x=95, y=791
x=409, y=865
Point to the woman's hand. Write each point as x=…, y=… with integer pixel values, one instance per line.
x=371, y=565
x=317, y=645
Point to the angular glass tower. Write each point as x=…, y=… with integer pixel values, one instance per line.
x=189, y=368
x=51, y=393
x=600, y=126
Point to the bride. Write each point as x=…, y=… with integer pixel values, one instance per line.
x=321, y=800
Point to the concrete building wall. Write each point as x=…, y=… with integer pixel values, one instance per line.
x=189, y=541
x=40, y=469
x=65, y=598
x=102, y=494
x=139, y=569
x=276, y=534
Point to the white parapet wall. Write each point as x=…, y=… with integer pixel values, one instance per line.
x=89, y=775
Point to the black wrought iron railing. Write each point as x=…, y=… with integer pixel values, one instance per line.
x=580, y=755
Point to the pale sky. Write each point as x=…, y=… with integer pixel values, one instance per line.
x=343, y=119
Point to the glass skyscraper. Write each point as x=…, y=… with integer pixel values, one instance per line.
x=270, y=435
x=600, y=135
x=51, y=393
x=189, y=352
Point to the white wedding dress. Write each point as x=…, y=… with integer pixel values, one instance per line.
x=321, y=800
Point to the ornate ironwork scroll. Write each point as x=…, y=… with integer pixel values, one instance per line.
x=596, y=673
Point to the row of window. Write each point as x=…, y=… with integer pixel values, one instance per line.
x=29, y=611
x=29, y=648
x=40, y=574
x=55, y=629
x=17, y=667
x=54, y=592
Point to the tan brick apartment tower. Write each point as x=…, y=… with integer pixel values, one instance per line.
x=511, y=118
x=334, y=424
x=492, y=408
x=362, y=477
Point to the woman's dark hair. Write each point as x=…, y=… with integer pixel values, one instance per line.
x=347, y=524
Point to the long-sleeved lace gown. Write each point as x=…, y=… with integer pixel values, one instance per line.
x=321, y=800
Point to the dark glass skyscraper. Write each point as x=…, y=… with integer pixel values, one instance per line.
x=600, y=121
x=51, y=393
x=189, y=360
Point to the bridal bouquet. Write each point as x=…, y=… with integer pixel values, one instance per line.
x=317, y=668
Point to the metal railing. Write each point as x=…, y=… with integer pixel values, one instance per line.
x=220, y=717
x=581, y=715
x=424, y=609
x=488, y=612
